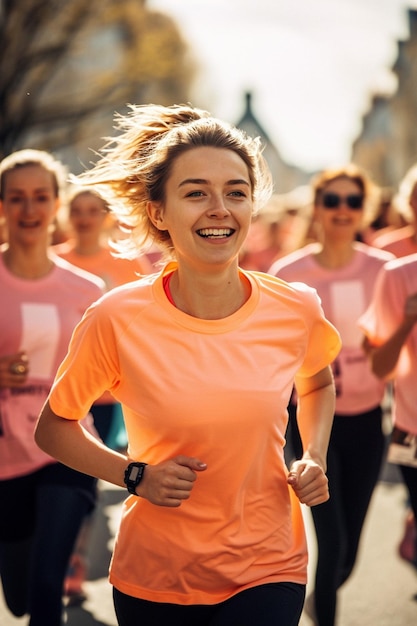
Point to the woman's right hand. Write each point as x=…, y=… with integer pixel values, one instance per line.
x=170, y=482
x=14, y=369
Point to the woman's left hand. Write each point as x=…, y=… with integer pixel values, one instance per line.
x=309, y=482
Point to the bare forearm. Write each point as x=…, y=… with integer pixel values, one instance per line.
x=316, y=402
x=315, y=418
x=71, y=444
x=384, y=358
x=168, y=483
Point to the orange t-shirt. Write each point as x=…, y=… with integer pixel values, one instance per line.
x=113, y=270
x=217, y=390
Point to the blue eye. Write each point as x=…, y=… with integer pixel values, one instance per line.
x=239, y=194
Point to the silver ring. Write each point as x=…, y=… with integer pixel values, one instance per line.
x=17, y=368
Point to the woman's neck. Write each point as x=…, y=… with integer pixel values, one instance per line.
x=209, y=297
x=28, y=263
x=87, y=247
x=335, y=255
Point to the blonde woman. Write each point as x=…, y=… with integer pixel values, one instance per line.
x=202, y=357
x=343, y=272
x=43, y=503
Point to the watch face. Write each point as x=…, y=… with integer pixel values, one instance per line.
x=133, y=476
x=134, y=472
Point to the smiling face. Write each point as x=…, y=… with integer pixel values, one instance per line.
x=343, y=221
x=208, y=206
x=29, y=204
x=87, y=215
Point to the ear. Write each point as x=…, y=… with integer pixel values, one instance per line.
x=155, y=213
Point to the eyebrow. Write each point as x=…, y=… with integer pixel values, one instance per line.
x=203, y=181
x=22, y=190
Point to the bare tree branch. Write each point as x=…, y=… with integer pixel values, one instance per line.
x=63, y=61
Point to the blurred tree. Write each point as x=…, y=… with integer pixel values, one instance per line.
x=67, y=65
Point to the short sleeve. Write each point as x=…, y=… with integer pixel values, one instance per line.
x=324, y=341
x=385, y=311
x=89, y=368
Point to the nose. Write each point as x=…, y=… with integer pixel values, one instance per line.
x=28, y=205
x=218, y=207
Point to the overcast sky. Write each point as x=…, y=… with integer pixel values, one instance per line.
x=311, y=65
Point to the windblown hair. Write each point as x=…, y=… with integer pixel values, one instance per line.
x=23, y=158
x=134, y=167
x=74, y=192
x=402, y=198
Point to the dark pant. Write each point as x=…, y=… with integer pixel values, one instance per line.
x=409, y=475
x=39, y=526
x=103, y=419
x=354, y=462
x=274, y=604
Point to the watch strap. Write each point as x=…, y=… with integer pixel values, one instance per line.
x=133, y=476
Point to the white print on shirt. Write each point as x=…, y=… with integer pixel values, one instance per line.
x=40, y=337
x=347, y=305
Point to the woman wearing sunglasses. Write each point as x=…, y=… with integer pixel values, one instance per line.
x=343, y=271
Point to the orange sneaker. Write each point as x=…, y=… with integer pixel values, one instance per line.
x=407, y=546
x=73, y=584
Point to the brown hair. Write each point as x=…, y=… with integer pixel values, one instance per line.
x=24, y=158
x=135, y=165
x=402, y=198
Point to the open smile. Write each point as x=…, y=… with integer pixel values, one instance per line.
x=215, y=233
x=29, y=224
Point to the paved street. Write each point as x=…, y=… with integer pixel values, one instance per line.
x=380, y=592
x=381, y=589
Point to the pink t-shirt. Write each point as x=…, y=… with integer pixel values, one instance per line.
x=217, y=390
x=396, y=281
x=400, y=242
x=37, y=316
x=345, y=293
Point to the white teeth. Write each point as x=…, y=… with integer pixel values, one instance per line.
x=215, y=232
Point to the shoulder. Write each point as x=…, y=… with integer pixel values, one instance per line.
x=137, y=294
x=298, y=257
x=292, y=293
x=393, y=236
x=75, y=277
x=372, y=252
x=111, y=316
x=63, y=249
x=402, y=265
x=396, y=279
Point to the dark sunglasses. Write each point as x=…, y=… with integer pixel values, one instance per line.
x=333, y=200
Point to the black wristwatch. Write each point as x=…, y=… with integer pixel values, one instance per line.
x=133, y=476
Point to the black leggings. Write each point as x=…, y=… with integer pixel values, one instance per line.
x=273, y=604
x=354, y=462
x=409, y=475
x=40, y=519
